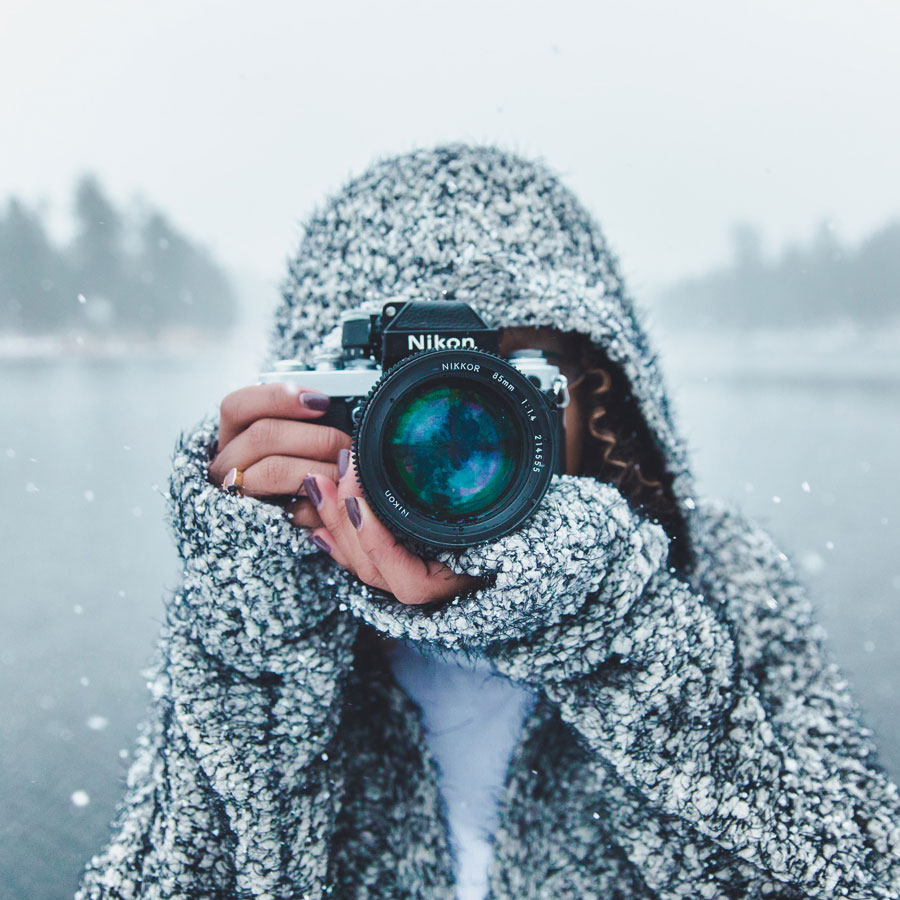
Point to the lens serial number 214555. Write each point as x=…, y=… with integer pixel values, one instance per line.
x=538, y=462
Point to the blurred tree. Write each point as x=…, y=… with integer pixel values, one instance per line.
x=876, y=276
x=746, y=242
x=820, y=283
x=747, y=280
x=99, y=259
x=36, y=293
x=179, y=282
x=121, y=274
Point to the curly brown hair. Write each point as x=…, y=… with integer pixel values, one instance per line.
x=617, y=446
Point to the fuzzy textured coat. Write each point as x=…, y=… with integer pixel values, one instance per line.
x=692, y=737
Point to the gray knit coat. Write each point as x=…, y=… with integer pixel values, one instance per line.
x=692, y=738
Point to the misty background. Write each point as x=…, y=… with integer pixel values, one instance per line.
x=157, y=162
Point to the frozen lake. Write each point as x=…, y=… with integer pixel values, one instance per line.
x=84, y=445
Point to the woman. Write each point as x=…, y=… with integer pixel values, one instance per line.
x=688, y=736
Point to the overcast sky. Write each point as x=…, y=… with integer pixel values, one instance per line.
x=671, y=120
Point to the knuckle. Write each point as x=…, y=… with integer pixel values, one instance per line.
x=368, y=573
x=273, y=471
x=216, y=475
x=346, y=487
x=262, y=434
x=305, y=516
x=344, y=441
x=409, y=596
x=330, y=440
x=275, y=398
x=229, y=408
x=374, y=554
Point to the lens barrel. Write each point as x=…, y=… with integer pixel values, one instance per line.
x=455, y=447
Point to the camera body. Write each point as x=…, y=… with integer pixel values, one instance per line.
x=453, y=444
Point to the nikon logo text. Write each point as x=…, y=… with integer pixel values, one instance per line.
x=396, y=503
x=436, y=342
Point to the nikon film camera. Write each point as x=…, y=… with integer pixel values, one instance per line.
x=454, y=445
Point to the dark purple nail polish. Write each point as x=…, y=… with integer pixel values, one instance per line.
x=353, y=512
x=312, y=491
x=321, y=544
x=315, y=401
x=342, y=463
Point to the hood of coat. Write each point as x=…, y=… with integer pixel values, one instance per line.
x=484, y=226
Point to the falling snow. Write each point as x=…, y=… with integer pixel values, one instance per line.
x=812, y=562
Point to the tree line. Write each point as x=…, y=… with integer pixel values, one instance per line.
x=818, y=283
x=121, y=274
x=135, y=274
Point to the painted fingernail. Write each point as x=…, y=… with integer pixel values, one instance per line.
x=321, y=544
x=314, y=400
x=312, y=491
x=353, y=512
x=342, y=463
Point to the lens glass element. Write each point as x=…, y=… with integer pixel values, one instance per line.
x=451, y=449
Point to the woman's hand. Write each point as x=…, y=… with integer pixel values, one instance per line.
x=362, y=544
x=262, y=433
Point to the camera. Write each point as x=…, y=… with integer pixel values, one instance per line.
x=454, y=445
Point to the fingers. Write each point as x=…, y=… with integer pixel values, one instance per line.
x=302, y=513
x=282, y=476
x=270, y=437
x=347, y=483
x=341, y=533
x=260, y=401
x=411, y=579
x=360, y=542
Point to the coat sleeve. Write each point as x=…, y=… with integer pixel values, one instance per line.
x=711, y=696
x=233, y=791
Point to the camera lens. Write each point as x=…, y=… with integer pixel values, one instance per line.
x=455, y=447
x=451, y=449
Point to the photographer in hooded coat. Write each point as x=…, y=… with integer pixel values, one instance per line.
x=685, y=733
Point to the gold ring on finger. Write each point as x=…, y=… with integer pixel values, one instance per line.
x=233, y=482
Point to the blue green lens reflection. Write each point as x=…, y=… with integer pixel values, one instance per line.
x=452, y=451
